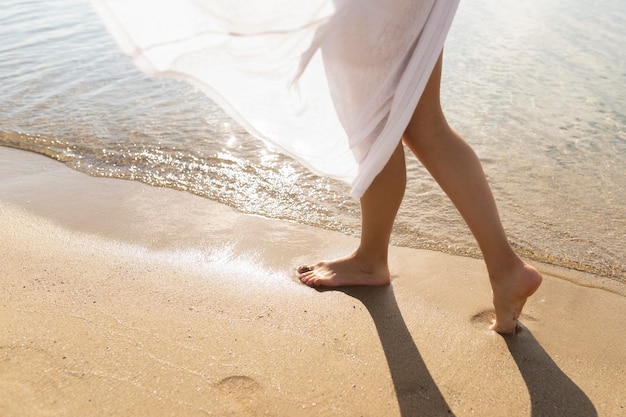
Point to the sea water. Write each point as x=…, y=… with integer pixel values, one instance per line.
x=537, y=88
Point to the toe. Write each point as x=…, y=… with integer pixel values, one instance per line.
x=306, y=277
x=308, y=280
x=504, y=330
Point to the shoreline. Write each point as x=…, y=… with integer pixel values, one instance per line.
x=121, y=298
x=614, y=284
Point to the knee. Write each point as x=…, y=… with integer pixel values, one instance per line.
x=423, y=129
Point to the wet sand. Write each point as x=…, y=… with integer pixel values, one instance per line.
x=118, y=298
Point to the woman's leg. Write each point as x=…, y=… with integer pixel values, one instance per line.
x=368, y=264
x=456, y=168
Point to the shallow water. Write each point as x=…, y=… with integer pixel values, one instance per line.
x=535, y=87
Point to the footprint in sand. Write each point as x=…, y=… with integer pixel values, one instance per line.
x=239, y=388
x=483, y=319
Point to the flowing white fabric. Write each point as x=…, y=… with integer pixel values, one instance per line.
x=331, y=83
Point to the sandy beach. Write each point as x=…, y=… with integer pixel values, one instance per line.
x=117, y=298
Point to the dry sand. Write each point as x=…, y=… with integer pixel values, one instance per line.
x=117, y=298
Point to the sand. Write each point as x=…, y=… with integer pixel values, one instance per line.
x=117, y=298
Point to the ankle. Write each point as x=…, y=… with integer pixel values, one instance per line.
x=504, y=266
x=369, y=259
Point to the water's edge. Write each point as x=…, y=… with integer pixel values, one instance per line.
x=586, y=277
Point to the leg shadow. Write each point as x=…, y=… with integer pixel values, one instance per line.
x=417, y=393
x=552, y=393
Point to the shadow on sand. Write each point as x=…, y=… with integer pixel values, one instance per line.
x=552, y=393
x=417, y=393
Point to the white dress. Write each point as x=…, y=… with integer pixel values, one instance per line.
x=331, y=83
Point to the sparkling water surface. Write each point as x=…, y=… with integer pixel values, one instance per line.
x=537, y=88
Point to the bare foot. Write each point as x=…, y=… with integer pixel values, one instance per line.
x=510, y=291
x=346, y=271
